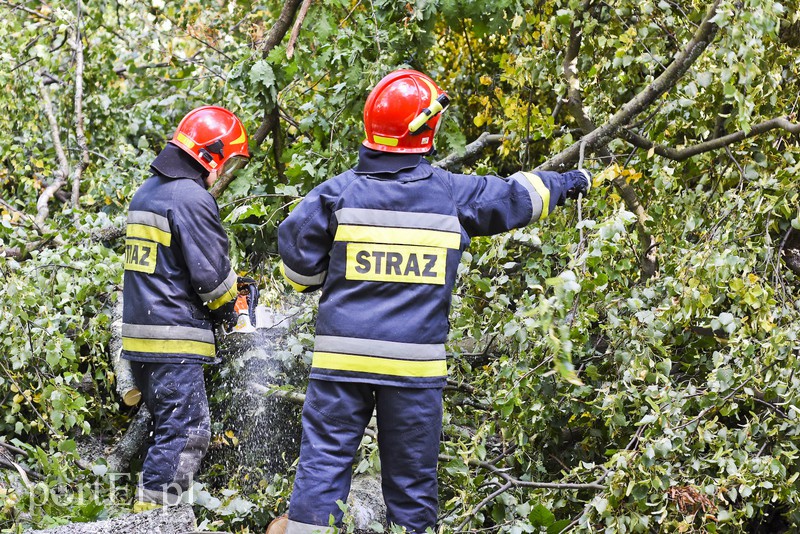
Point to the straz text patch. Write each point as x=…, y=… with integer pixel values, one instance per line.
x=140, y=256
x=396, y=263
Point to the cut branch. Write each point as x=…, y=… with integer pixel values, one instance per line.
x=681, y=154
x=666, y=80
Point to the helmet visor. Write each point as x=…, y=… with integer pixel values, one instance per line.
x=233, y=163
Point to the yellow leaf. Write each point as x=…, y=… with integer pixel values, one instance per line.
x=607, y=174
x=486, y=80
x=517, y=22
x=633, y=176
x=479, y=120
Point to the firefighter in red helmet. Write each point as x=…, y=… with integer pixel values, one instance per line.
x=383, y=242
x=178, y=285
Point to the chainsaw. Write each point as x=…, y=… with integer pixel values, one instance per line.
x=245, y=306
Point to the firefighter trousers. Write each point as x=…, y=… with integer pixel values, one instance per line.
x=335, y=415
x=175, y=394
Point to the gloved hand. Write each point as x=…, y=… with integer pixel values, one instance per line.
x=577, y=182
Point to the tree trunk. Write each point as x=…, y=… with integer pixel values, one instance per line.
x=791, y=251
x=169, y=520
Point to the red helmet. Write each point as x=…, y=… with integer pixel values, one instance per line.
x=402, y=113
x=211, y=135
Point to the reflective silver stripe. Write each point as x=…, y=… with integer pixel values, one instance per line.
x=157, y=496
x=296, y=527
x=381, y=349
x=398, y=219
x=148, y=218
x=185, y=333
x=221, y=289
x=536, y=198
x=313, y=280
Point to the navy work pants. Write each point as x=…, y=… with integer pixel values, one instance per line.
x=335, y=415
x=175, y=394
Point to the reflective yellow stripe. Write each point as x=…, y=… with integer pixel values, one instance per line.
x=239, y=140
x=381, y=366
x=537, y=184
x=295, y=285
x=182, y=138
x=397, y=236
x=388, y=141
x=225, y=298
x=434, y=93
x=150, y=233
x=168, y=346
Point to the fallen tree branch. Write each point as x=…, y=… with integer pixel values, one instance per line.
x=273, y=39
x=11, y=448
x=296, y=28
x=80, y=134
x=456, y=160
x=280, y=27
x=42, y=208
x=681, y=154
x=109, y=233
x=25, y=9
x=665, y=81
x=24, y=472
x=474, y=462
x=166, y=519
x=648, y=260
x=119, y=458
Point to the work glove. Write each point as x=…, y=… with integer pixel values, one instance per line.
x=577, y=182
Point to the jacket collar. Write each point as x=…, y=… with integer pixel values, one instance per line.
x=172, y=162
x=389, y=166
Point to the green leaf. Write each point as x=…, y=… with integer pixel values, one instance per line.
x=262, y=75
x=558, y=526
x=541, y=516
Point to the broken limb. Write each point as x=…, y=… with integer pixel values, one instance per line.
x=681, y=154
x=665, y=81
x=273, y=39
x=456, y=160
x=647, y=260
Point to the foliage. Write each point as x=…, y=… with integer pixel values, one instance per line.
x=670, y=402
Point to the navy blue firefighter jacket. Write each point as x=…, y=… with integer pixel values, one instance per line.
x=178, y=277
x=383, y=241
